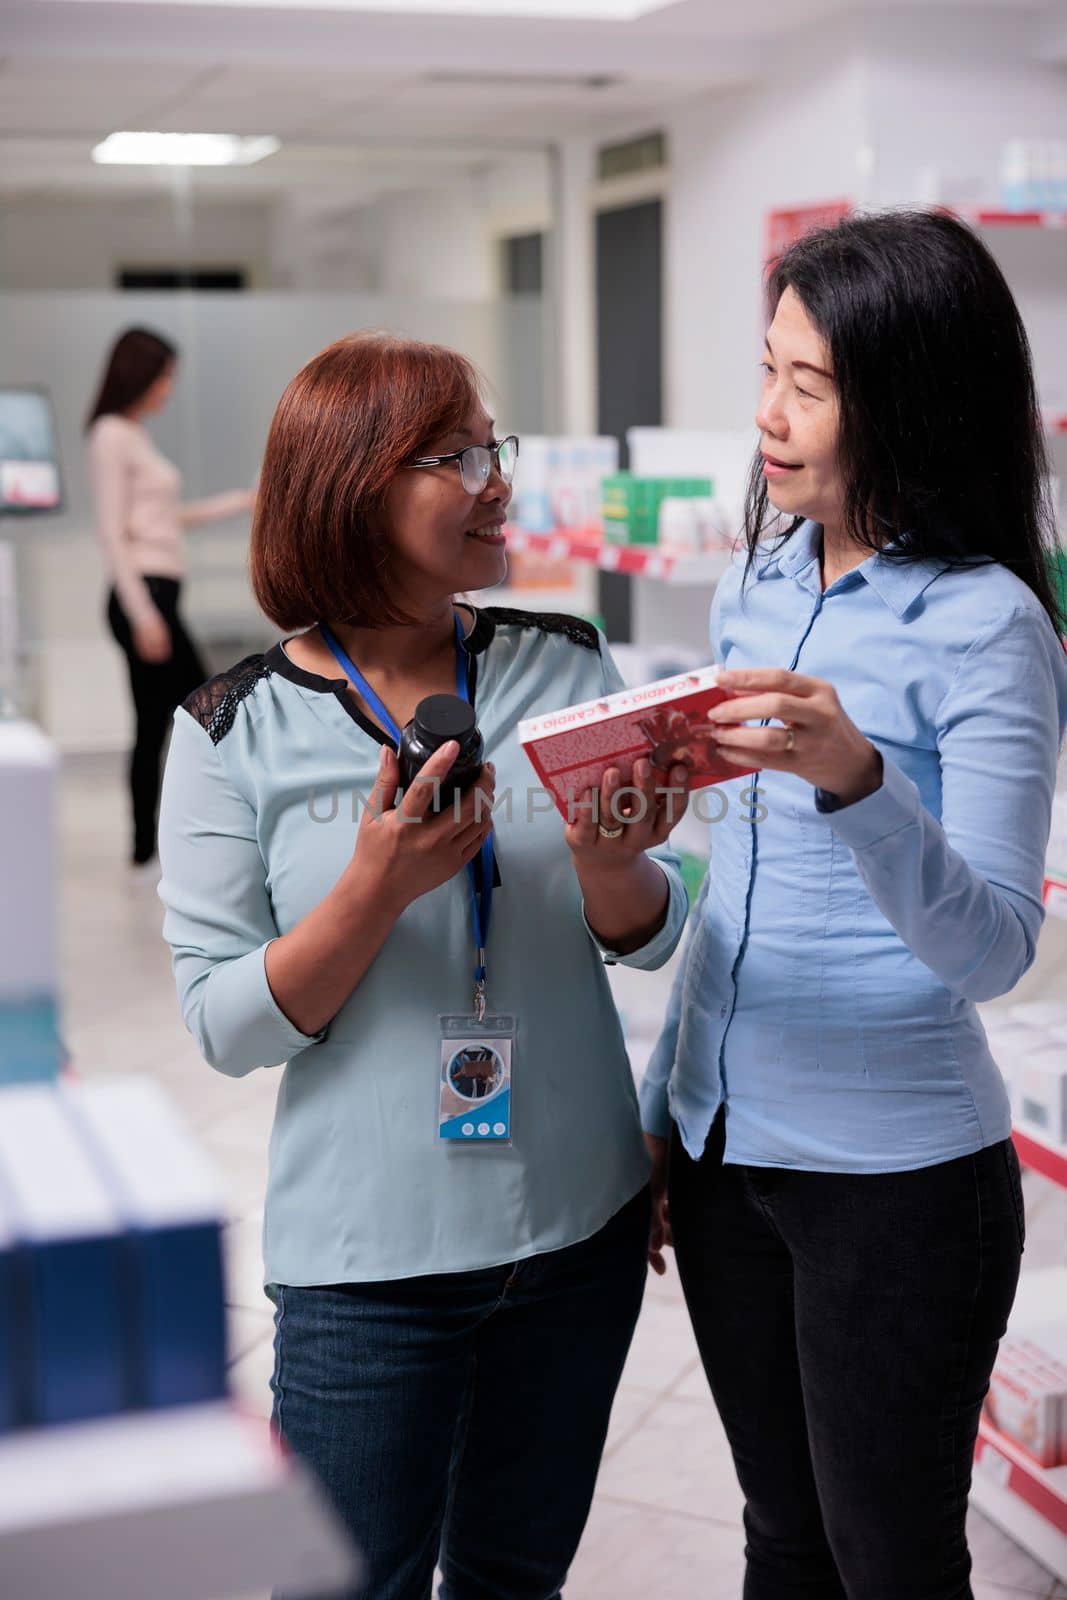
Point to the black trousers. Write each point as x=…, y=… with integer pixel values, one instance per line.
x=158, y=688
x=848, y=1326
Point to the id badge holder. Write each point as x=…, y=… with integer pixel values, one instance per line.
x=475, y=1079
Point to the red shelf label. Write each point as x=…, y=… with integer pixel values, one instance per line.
x=998, y=218
x=995, y=1456
x=1043, y=1158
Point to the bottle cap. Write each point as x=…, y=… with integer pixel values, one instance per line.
x=441, y=717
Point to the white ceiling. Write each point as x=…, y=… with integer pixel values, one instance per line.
x=383, y=91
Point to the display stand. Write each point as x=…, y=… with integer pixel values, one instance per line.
x=1028, y=1502
x=637, y=561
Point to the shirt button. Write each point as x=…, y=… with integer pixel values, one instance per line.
x=722, y=1011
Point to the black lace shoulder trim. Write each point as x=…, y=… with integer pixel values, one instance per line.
x=576, y=629
x=214, y=704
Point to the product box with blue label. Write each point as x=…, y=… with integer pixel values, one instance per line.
x=170, y=1205
x=30, y=1045
x=69, y=1251
x=10, y=1323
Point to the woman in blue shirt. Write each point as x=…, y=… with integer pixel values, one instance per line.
x=843, y=1192
x=452, y=1313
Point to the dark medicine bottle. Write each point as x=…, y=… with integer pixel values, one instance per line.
x=437, y=719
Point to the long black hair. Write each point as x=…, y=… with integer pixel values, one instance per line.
x=941, y=447
x=137, y=358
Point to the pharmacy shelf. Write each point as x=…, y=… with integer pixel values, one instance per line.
x=1054, y=895
x=1029, y=1504
x=994, y=217
x=1027, y=1501
x=638, y=561
x=187, y=1504
x=1048, y=1159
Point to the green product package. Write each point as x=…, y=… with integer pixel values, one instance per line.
x=630, y=506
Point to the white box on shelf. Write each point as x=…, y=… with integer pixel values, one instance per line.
x=532, y=504
x=1057, y=842
x=1027, y=1397
x=30, y=1046
x=1045, y=1014
x=558, y=479
x=1039, y=1080
x=29, y=765
x=188, y=1504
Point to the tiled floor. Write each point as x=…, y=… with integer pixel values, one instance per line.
x=666, y=1520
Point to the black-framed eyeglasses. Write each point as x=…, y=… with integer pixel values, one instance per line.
x=476, y=462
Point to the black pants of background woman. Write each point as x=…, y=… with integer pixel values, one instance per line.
x=158, y=688
x=848, y=1326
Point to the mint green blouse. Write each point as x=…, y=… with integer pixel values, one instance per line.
x=259, y=815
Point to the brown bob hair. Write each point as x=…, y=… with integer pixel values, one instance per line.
x=349, y=421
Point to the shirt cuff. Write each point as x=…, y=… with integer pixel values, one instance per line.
x=895, y=805
x=288, y=1031
x=655, y=1109
x=660, y=947
x=241, y=1026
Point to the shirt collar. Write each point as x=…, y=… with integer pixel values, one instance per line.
x=898, y=584
x=480, y=635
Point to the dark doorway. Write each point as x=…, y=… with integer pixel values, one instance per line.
x=629, y=288
x=156, y=278
x=522, y=329
x=524, y=263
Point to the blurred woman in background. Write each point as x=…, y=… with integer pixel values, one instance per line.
x=139, y=521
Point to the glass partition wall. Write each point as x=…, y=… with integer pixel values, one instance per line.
x=424, y=250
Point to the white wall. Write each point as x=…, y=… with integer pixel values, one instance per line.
x=798, y=138
x=944, y=100
x=946, y=91
x=571, y=284
x=323, y=243
x=67, y=241
x=436, y=241
x=909, y=107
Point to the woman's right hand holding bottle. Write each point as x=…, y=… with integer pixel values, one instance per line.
x=407, y=850
x=401, y=852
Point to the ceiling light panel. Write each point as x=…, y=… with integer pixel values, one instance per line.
x=571, y=10
x=144, y=149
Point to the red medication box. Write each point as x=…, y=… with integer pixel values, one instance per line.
x=666, y=721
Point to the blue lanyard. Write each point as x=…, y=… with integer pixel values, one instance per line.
x=481, y=872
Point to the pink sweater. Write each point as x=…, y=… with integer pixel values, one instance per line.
x=139, y=512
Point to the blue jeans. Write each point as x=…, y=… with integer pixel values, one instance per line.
x=463, y=1416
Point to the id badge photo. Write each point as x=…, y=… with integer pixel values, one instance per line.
x=476, y=1078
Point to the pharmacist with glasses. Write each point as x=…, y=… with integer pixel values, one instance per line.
x=454, y=1292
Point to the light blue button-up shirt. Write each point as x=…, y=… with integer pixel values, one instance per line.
x=827, y=993
x=259, y=815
